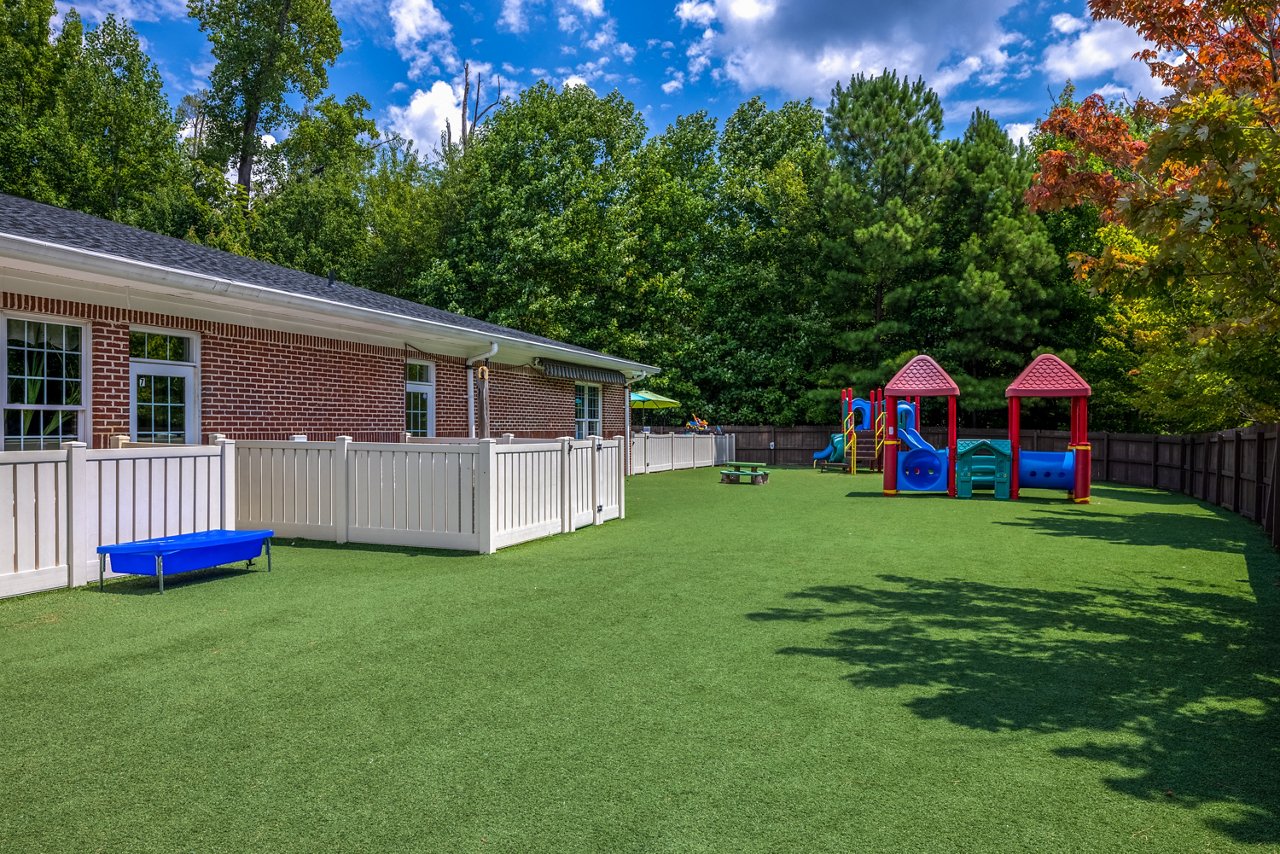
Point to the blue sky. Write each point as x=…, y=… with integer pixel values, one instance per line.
x=678, y=56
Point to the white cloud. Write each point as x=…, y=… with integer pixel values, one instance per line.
x=1067, y=24
x=130, y=10
x=423, y=118
x=574, y=80
x=423, y=36
x=513, y=17
x=625, y=51
x=749, y=10
x=675, y=84
x=594, y=8
x=696, y=13
x=1104, y=49
x=606, y=36
x=803, y=47
x=1020, y=131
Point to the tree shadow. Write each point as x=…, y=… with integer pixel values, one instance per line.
x=1176, y=688
x=1219, y=532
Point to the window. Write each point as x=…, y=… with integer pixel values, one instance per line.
x=586, y=410
x=162, y=372
x=44, y=385
x=419, y=399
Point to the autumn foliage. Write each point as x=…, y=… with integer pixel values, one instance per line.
x=1188, y=189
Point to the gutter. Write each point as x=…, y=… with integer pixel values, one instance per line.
x=471, y=385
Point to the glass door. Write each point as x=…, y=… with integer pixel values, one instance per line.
x=163, y=408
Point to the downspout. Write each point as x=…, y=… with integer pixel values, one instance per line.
x=471, y=386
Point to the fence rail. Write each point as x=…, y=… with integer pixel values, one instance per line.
x=57, y=507
x=655, y=452
x=478, y=496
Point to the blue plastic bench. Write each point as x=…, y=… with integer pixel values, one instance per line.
x=183, y=553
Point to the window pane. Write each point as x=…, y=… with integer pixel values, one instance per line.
x=417, y=373
x=160, y=347
x=34, y=430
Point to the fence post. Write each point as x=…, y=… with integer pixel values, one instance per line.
x=1275, y=491
x=1259, y=471
x=486, y=495
x=596, y=474
x=645, y=444
x=341, y=502
x=1217, y=495
x=566, y=484
x=227, y=451
x=1237, y=459
x=622, y=478
x=1106, y=456
x=79, y=508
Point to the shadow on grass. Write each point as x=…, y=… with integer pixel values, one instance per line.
x=147, y=585
x=1176, y=689
x=1215, y=532
x=411, y=551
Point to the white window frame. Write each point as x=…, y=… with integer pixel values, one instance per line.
x=427, y=388
x=84, y=420
x=582, y=427
x=189, y=370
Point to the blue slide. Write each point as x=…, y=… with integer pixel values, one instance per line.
x=922, y=468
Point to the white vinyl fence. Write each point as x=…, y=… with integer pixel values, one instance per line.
x=477, y=496
x=654, y=452
x=57, y=507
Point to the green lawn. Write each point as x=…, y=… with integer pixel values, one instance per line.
x=801, y=666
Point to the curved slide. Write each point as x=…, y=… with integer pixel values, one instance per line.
x=833, y=451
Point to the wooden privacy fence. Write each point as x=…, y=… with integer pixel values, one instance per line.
x=477, y=496
x=58, y=506
x=655, y=452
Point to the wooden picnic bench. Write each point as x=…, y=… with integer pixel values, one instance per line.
x=754, y=473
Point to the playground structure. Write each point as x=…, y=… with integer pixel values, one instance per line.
x=1049, y=376
x=922, y=468
x=911, y=464
x=862, y=414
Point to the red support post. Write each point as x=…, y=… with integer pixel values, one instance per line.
x=891, y=447
x=1015, y=439
x=1083, y=450
x=951, y=445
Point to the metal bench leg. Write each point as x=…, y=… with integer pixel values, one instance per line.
x=102, y=568
x=268, y=545
x=160, y=571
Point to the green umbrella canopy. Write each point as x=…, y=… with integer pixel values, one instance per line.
x=650, y=400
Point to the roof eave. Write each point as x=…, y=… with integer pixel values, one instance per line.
x=199, y=284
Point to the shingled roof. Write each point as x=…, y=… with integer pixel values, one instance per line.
x=1048, y=376
x=34, y=221
x=924, y=377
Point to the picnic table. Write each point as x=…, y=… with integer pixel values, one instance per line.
x=735, y=472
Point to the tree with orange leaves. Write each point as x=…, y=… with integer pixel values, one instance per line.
x=1191, y=211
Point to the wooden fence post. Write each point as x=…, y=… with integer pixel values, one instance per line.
x=79, y=508
x=486, y=496
x=1237, y=459
x=227, y=450
x=1259, y=471
x=1155, y=461
x=341, y=500
x=1273, y=493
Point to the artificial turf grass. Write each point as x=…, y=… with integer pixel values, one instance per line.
x=803, y=665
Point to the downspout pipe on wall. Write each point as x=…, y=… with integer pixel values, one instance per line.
x=471, y=385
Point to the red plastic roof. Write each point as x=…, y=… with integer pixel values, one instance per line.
x=924, y=377
x=1048, y=376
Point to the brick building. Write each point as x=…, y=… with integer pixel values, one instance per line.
x=111, y=330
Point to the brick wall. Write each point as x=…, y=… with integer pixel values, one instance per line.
x=262, y=384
